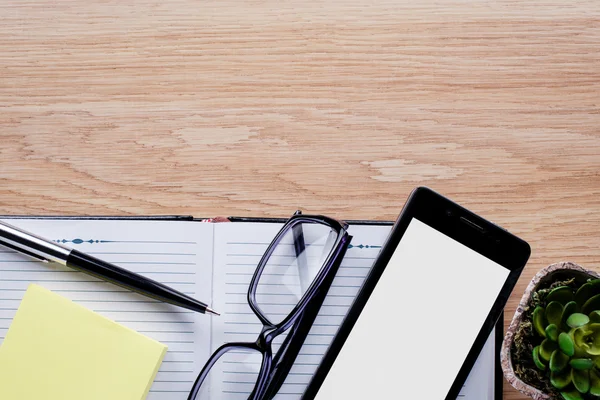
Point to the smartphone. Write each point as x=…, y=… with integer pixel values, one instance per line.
x=426, y=309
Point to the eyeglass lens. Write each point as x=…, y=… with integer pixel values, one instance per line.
x=294, y=264
x=233, y=376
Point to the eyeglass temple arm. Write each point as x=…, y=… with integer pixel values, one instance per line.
x=292, y=345
x=300, y=249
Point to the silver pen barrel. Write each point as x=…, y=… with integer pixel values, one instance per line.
x=32, y=245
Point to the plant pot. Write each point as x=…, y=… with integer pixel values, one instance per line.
x=542, y=279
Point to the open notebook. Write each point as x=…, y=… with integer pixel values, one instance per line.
x=213, y=262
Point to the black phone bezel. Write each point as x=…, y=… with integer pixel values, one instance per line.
x=461, y=225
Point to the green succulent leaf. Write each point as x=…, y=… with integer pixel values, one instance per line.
x=565, y=343
x=536, y=359
x=581, y=380
x=561, y=294
x=539, y=320
x=595, y=316
x=552, y=332
x=580, y=334
x=577, y=319
x=560, y=380
x=554, y=312
x=594, y=383
x=591, y=305
x=587, y=339
x=581, y=363
x=558, y=361
x=586, y=291
x=569, y=308
x=547, y=348
x=571, y=395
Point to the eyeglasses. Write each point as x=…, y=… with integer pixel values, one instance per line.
x=286, y=292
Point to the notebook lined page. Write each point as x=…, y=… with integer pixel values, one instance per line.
x=238, y=249
x=177, y=253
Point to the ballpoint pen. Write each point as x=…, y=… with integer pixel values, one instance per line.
x=47, y=251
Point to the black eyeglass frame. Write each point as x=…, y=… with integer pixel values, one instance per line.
x=274, y=368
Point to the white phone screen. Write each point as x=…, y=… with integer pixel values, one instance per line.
x=419, y=323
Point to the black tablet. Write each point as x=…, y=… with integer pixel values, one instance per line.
x=425, y=311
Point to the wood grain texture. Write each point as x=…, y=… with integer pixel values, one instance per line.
x=262, y=107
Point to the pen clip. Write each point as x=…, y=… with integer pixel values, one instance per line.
x=23, y=251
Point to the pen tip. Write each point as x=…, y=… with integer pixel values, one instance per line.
x=211, y=311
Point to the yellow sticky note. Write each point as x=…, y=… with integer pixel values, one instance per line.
x=58, y=350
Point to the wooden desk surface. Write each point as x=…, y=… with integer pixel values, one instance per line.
x=342, y=107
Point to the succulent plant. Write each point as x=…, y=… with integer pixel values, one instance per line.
x=568, y=324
